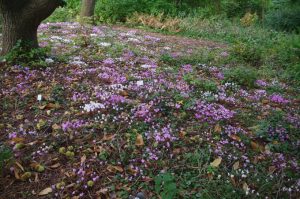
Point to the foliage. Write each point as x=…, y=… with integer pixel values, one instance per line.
x=247, y=53
x=284, y=15
x=20, y=55
x=165, y=185
x=244, y=76
x=5, y=154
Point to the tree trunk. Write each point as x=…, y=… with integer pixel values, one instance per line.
x=87, y=8
x=21, y=19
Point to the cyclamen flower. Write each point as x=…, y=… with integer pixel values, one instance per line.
x=261, y=83
x=93, y=106
x=278, y=99
x=212, y=113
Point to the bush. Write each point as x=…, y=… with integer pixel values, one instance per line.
x=33, y=58
x=237, y=8
x=285, y=18
x=244, y=76
x=251, y=54
x=112, y=11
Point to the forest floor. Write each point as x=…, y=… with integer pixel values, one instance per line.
x=119, y=113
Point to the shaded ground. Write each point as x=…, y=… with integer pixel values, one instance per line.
x=123, y=111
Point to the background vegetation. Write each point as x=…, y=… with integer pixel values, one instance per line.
x=261, y=33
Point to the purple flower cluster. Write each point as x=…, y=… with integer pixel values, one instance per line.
x=143, y=112
x=112, y=76
x=212, y=112
x=187, y=68
x=278, y=132
x=276, y=98
x=73, y=125
x=261, y=83
x=165, y=135
x=116, y=99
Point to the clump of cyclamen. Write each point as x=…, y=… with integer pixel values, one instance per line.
x=212, y=112
x=72, y=125
x=92, y=106
x=276, y=98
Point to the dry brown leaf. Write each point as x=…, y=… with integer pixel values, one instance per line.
x=217, y=129
x=236, y=165
x=20, y=166
x=83, y=158
x=17, y=173
x=18, y=140
x=108, y=137
x=245, y=187
x=182, y=134
x=114, y=169
x=235, y=137
x=272, y=169
x=216, y=162
x=256, y=146
x=139, y=140
x=53, y=106
x=55, y=166
x=56, y=126
x=19, y=117
x=232, y=179
x=45, y=191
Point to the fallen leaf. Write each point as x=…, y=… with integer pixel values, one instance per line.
x=217, y=129
x=216, y=162
x=235, y=137
x=182, y=134
x=18, y=139
x=53, y=106
x=19, y=117
x=83, y=158
x=131, y=170
x=256, y=146
x=108, y=137
x=56, y=127
x=236, y=165
x=20, y=166
x=55, y=166
x=272, y=169
x=139, y=140
x=45, y=191
x=40, y=124
x=246, y=187
x=114, y=169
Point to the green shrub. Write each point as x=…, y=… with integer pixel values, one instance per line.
x=237, y=8
x=244, y=76
x=112, y=11
x=5, y=154
x=165, y=185
x=285, y=18
x=21, y=55
x=251, y=54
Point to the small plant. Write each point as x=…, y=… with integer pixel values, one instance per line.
x=244, y=76
x=201, y=84
x=158, y=21
x=165, y=185
x=249, y=19
x=5, y=154
x=24, y=56
x=251, y=54
x=274, y=128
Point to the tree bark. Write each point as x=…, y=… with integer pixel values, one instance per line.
x=87, y=8
x=21, y=19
